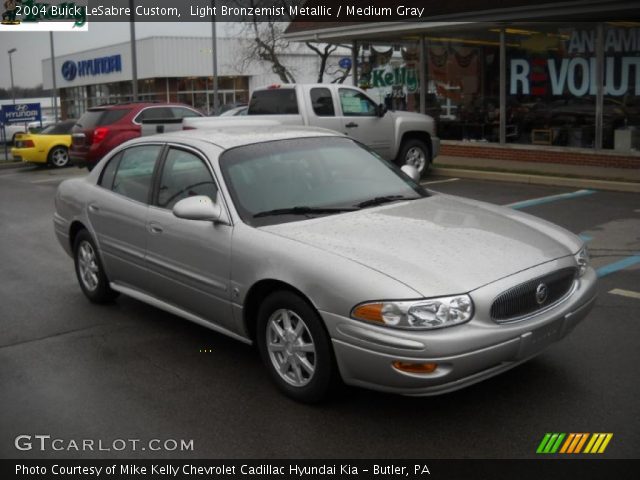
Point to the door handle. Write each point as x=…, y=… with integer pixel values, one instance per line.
x=155, y=228
x=94, y=208
x=351, y=125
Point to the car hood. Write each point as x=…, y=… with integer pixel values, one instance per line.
x=438, y=245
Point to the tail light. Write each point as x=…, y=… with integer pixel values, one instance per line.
x=99, y=134
x=26, y=144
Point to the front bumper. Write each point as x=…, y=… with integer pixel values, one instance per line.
x=465, y=354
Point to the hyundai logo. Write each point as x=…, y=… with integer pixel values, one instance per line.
x=542, y=292
x=69, y=70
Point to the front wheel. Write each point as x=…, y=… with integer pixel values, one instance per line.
x=416, y=153
x=295, y=347
x=59, y=157
x=89, y=270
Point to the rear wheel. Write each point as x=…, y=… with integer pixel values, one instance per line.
x=295, y=347
x=89, y=270
x=416, y=153
x=59, y=157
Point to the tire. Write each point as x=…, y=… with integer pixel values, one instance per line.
x=416, y=153
x=301, y=364
x=58, y=157
x=89, y=270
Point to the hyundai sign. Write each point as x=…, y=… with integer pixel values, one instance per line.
x=21, y=113
x=92, y=68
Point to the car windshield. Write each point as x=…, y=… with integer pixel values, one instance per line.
x=292, y=180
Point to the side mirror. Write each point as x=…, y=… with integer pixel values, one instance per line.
x=198, y=207
x=412, y=172
x=381, y=109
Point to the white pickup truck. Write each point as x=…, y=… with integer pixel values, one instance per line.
x=405, y=138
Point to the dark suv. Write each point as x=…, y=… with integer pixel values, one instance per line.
x=100, y=129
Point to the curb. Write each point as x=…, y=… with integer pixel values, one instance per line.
x=539, y=179
x=4, y=165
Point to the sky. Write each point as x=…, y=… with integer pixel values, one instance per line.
x=33, y=47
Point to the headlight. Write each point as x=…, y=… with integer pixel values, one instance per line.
x=417, y=314
x=582, y=259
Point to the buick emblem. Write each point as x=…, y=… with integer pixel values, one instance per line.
x=541, y=293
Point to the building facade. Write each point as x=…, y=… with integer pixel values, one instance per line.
x=172, y=69
x=505, y=89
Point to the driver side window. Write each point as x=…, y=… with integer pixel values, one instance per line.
x=355, y=104
x=184, y=175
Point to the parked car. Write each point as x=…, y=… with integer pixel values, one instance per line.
x=405, y=138
x=35, y=127
x=335, y=262
x=100, y=129
x=235, y=111
x=49, y=147
x=9, y=131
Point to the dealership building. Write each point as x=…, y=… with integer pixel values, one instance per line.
x=172, y=69
x=508, y=79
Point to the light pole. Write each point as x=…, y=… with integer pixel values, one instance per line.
x=53, y=78
x=214, y=48
x=13, y=92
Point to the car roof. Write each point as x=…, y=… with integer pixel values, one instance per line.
x=132, y=105
x=235, y=136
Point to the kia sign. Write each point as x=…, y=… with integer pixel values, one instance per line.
x=21, y=113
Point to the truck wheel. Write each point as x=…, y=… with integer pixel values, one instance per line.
x=416, y=153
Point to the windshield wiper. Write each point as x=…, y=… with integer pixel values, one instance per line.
x=303, y=211
x=385, y=199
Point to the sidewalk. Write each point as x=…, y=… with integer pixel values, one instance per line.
x=580, y=176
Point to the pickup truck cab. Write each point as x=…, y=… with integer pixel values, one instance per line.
x=405, y=138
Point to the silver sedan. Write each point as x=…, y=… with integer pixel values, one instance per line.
x=336, y=263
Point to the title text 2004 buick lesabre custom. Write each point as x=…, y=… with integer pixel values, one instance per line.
x=334, y=262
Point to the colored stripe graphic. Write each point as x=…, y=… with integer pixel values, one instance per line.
x=550, y=443
x=573, y=443
x=549, y=199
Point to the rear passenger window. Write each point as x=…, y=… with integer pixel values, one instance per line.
x=134, y=174
x=184, y=175
x=181, y=112
x=154, y=113
x=274, y=102
x=322, y=102
x=109, y=172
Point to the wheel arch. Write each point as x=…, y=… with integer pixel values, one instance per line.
x=416, y=135
x=75, y=228
x=256, y=295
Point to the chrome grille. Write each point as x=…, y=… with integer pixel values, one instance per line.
x=522, y=299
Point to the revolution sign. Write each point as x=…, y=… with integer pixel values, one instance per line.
x=21, y=113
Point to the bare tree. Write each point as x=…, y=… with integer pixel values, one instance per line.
x=267, y=43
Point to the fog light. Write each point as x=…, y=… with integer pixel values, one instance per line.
x=415, y=367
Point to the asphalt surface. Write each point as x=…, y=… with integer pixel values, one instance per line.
x=77, y=371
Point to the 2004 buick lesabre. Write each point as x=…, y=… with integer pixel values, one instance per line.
x=336, y=263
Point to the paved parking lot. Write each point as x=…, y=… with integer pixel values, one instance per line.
x=73, y=370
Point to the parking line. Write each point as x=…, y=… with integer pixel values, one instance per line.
x=619, y=265
x=440, y=181
x=550, y=198
x=625, y=293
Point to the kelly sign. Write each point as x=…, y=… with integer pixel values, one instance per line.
x=21, y=113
